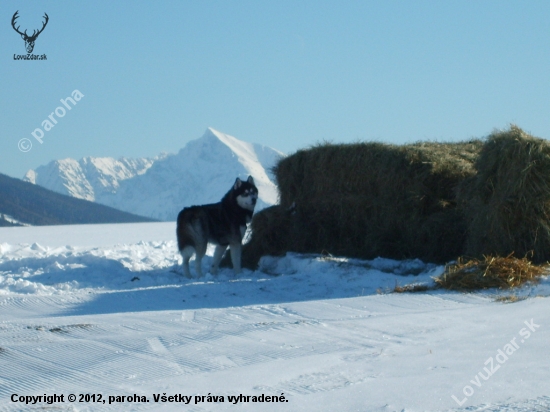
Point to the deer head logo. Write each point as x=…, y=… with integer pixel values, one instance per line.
x=29, y=40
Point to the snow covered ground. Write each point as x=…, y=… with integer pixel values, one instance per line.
x=102, y=310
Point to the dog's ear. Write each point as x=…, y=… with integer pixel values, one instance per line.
x=237, y=184
x=250, y=180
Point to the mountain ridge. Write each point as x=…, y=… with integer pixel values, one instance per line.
x=159, y=187
x=25, y=204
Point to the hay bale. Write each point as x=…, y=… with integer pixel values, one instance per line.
x=490, y=272
x=507, y=202
x=270, y=230
x=366, y=200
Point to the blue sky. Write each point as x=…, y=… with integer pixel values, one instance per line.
x=287, y=74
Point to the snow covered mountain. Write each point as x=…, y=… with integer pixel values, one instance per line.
x=89, y=177
x=202, y=172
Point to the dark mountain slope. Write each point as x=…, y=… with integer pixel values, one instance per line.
x=34, y=205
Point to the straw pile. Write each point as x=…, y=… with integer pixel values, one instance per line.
x=507, y=203
x=432, y=201
x=490, y=272
x=366, y=200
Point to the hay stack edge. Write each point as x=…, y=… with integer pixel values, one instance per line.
x=432, y=201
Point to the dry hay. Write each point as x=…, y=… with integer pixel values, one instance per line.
x=366, y=200
x=432, y=201
x=507, y=203
x=490, y=272
x=510, y=298
x=410, y=288
x=270, y=230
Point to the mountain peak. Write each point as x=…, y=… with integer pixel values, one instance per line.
x=159, y=187
x=244, y=151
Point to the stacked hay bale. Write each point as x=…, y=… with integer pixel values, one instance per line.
x=271, y=235
x=432, y=201
x=507, y=203
x=366, y=200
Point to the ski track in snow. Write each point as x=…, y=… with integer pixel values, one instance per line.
x=120, y=319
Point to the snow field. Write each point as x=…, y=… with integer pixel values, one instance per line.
x=104, y=310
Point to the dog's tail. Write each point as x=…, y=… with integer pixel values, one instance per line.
x=189, y=230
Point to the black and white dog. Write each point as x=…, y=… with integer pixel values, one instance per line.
x=222, y=224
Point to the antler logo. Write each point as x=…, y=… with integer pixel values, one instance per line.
x=29, y=40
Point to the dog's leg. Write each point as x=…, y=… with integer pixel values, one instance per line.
x=186, y=254
x=198, y=268
x=218, y=254
x=236, y=249
x=200, y=252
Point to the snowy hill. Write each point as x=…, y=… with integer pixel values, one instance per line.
x=202, y=172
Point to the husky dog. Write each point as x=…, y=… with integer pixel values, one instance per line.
x=222, y=224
